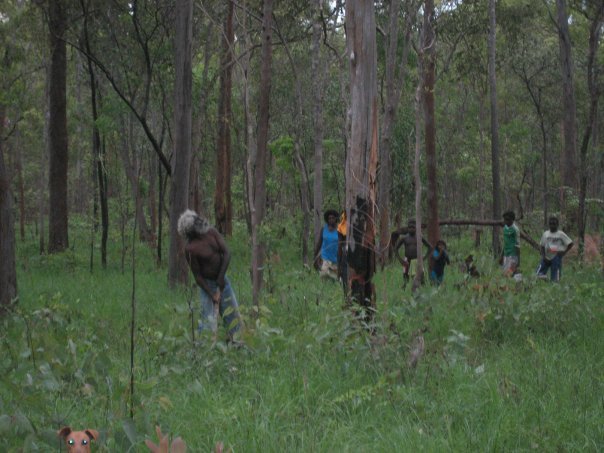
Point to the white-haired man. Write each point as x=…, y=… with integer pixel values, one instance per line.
x=209, y=257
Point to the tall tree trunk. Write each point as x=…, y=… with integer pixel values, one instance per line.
x=153, y=184
x=317, y=72
x=57, y=130
x=569, y=107
x=595, y=30
x=304, y=199
x=259, y=175
x=361, y=161
x=20, y=183
x=133, y=166
x=304, y=186
x=544, y=155
x=394, y=86
x=429, y=64
x=179, y=185
x=250, y=143
x=494, y=126
x=98, y=151
x=162, y=183
x=8, y=272
x=222, y=200
x=419, y=274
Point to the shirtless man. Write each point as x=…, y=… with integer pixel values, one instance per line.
x=209, y=257
x=408, y=240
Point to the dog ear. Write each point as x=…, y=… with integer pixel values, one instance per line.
x=64, y=432
x=92, y=433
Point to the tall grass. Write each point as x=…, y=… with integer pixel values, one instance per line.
x=507, y=367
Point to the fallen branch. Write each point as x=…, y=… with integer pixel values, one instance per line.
x=461, y=222
x=523, y=235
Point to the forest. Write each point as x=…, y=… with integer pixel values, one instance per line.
x=263, y=116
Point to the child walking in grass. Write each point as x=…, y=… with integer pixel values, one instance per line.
x=554, y=245
x=510, y=255
x=439, y=259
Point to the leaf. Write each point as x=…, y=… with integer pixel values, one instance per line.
x=165, y=403
x=196, y=387
x=51, y=384
x=130, y=430
x=22, y=423
x=5, y=422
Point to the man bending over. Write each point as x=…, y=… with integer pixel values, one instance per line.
x=209, y=257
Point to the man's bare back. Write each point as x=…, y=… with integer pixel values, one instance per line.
x=205, y=255
x=208, y=256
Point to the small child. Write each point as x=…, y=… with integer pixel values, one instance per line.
x=554, y=245
x=510, y=254
x=409, y=242
x=440, y=259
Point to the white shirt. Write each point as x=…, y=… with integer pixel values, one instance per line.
x=554, y=243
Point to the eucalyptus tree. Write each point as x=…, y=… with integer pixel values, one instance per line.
x=223, y=208
x=429, y=67
x=595, y=16
x=492, y=40
x=128, y=47
x=179, y=187
x=536, y=68
x=58, y=239
x=317, y=74
x=297, y=124
x=569, y=104
x=258, y=198
x=362, y=157
x=395, y=71
x=8, y=272
x=98, y=151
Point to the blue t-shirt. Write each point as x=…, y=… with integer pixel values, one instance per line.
x=439, y=262
x=329, y=248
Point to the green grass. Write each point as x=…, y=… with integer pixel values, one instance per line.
x=507, y=367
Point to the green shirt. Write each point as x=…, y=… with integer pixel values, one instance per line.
x=511, y=240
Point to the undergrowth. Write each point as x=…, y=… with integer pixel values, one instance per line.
x=506, y=366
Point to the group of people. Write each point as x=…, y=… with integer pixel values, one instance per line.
x=554, y=244
x=330, y=251
x=209, y=257
x=437, y=255
x=331, y=246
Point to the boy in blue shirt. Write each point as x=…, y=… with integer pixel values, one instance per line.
x=439, y=259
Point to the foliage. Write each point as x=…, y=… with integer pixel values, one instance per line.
x=507, y=365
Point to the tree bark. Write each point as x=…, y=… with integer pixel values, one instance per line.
x=361, y=161
x=317, y=90
x=429, y=52
x=394, y=84
x=57, y=130
x=259, y=173
x=419, y=274
x=179, y=184
x=595, y=29
x=222, y=200
x=97, y=150
x=569, y=106
x=494, y=125
x=8, y=272
x=300, y=165
x=20, y=182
